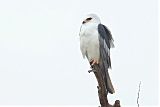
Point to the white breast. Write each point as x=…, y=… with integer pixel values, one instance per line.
x=89, y=42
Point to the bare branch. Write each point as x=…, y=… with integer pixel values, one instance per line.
x=138, y=93
x=102, y=93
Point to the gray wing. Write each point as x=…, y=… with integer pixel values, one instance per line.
x=105, y=36
x=106, y=42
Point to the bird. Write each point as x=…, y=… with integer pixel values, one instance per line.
x=95, y=43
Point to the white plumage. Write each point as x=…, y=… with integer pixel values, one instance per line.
x=89, y=39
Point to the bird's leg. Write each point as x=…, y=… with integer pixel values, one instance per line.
x=93, y=62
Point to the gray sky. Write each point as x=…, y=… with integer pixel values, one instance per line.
x=40, y=59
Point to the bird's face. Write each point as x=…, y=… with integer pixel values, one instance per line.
x=91, y=18
x=87, y=20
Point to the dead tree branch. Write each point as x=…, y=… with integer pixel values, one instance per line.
x=138, y=93
x=102, y=93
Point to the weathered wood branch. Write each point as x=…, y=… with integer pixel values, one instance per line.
x=102, y=92
x=138, y=93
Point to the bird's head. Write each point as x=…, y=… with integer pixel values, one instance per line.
x=91, y=18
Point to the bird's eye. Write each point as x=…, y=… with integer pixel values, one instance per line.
x=89, y=18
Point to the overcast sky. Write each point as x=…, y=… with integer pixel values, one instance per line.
x=40, y=59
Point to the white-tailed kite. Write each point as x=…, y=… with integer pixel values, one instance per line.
x=95, y=43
